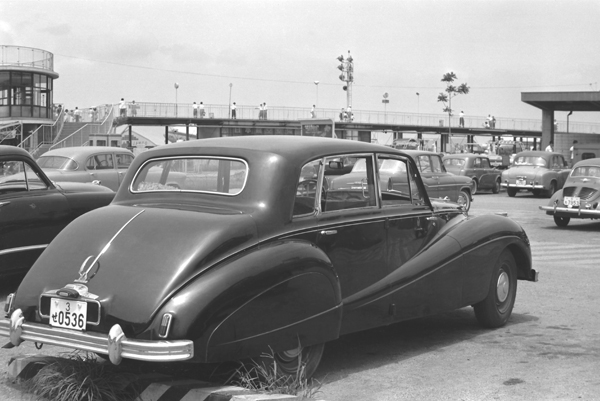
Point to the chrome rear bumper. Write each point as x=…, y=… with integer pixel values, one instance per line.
x=571, y=211
x=115, y=344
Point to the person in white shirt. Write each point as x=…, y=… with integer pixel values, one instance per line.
x=123, y=108
x=195, y=110
x=233, y=111
x=201, y=107
x=461, y=120
x=312, y=112
x=264, y=110
x=549, y=147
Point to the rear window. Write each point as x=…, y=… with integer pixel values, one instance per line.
x=586, y=171
x=223, y=176
x=57, y=162
x=454, y=163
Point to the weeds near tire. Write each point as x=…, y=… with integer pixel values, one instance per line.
x=264, y=377
x=79, y=376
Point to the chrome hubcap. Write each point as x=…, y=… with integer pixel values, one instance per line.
x=502, y=287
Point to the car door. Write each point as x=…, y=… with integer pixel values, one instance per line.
x=429, y=177
x=101, y=168
x=352, y=232
x=487, y=175
x=32, y=213
x=123, y=161
x=562, y=171
x=447, y=183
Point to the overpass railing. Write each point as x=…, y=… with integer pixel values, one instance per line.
x=82, y=135
x=359, y=116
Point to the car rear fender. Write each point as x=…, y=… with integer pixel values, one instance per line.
x=271, y=296
x=486, y=237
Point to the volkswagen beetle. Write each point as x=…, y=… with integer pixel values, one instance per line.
x=580, y=197
x=245, y=256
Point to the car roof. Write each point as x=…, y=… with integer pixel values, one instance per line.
x=14, y=150
x=588, y=162
x=462, y=155
x=291, y=148
x=84, y=151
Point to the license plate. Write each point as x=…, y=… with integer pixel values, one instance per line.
x=68, y=314
x=571, y=201
x=521, y=182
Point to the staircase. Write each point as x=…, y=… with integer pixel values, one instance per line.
x=68, y=129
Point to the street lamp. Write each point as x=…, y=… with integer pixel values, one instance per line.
x=317, y=85
x=229, y=106
x=176, y=87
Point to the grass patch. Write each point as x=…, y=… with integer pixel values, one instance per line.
x=79, y=376
x=263, y=376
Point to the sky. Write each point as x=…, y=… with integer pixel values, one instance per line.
x=274, y=51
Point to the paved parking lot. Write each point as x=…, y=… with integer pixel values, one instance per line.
x=548, y=351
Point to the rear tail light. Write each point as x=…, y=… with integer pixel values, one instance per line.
x=165, y=325
x=8, y=304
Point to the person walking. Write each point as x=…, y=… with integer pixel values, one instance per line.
x=264, y=110
x=122, y=108
x=260, y=111
x=233, y=111
x=312, y=112
x=572, y=150
x=195, y=110
x=461, y=120
x=77, y=114
x=201, y=107
x=133, y=108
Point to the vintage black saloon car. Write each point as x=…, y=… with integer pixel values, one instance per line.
x=33, y=209
x=244, y=255
x=580, y=196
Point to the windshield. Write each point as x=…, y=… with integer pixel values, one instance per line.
x=586, y=171
x=223, y=176
x=454, y=163
x=57, y=162
x=530, y=161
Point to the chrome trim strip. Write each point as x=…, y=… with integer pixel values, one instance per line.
x=23, y=249
x=141, y=350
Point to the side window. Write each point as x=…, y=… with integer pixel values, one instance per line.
x=395, y=182
x=34, y=182
x=350, y=190
x=436, y=165
x=104, y=161
x=477, y=163
x=557, y=162
x=485, y=163
x=306, y=190
x=424, y=165
x=124, y=160
x=91, y=164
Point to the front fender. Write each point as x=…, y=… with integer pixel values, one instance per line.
x=271, y=296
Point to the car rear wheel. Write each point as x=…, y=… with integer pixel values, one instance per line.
x=551, y=190
x=464, y=199
x=496, y=187
x=474, y=186
x=496, y=308
x=562, y=221
x=293, y=361
x=511, y=192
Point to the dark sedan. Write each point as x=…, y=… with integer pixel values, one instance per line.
x=477, y=168
x=33, y=209
x=580, y=196
x=236, y=260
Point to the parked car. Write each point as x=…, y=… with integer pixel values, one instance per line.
x=477, y=168
x=242, y=259
x=580, y=196
x=542, y=173
x=439, y=182
x=103, y=165
x=33, y=209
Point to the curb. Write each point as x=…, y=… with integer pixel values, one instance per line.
x=156, y=387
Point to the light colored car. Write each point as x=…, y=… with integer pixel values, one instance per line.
x=102, y=165
x=542, y=173
x=580, y=197
x=477, y=167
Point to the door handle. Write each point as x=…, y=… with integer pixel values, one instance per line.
x=4, y=203
x=328, y=232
